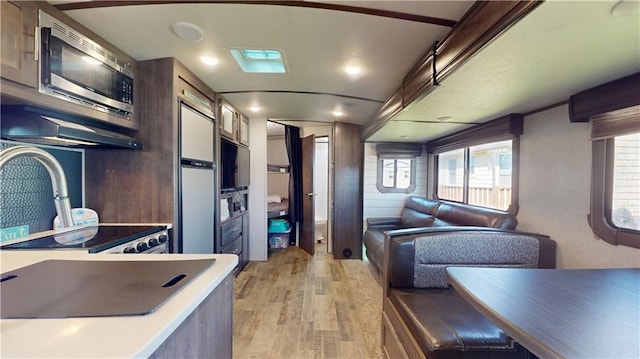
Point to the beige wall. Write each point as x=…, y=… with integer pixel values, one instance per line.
x=555, y=175
x=258, y=190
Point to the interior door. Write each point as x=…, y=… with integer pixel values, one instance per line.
x=307, y=228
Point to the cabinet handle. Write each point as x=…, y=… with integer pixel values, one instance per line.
x=36, y=43
x=235, y=251
x=235, y=229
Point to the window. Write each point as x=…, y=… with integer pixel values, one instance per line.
x=490, y=185
x=397, y=167
x=613, y=109
x=625, y=199
x=450, y=175
x=615, y=179
x=479, y=166
x=397, y=174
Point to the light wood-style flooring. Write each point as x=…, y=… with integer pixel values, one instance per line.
x=298, y=306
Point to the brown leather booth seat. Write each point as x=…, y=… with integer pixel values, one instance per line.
x=425, y=318
x=441, y=332
x=424, y=212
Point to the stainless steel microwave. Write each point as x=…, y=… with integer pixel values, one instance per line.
x=77, y=69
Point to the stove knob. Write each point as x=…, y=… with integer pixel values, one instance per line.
x=152, y=242
x=141, y=247
x=163, y=238
x=129, y=250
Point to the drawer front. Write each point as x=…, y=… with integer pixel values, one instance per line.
x=235, y=247
x=231, y=230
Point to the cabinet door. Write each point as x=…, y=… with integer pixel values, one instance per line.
x=243, y=133
x=228, y=122
x=18, y=57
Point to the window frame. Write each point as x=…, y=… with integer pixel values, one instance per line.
x=509, y=127
x=380, y=170
x=395, y=152
x=604, y=129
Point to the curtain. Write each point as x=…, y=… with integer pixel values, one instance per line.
x=294, y=152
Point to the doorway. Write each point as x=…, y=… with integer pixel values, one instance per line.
x=321, y=189
x=278, y=176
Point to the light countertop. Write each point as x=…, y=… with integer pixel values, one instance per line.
x=105, y=337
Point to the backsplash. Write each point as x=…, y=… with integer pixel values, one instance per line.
x=26, y=193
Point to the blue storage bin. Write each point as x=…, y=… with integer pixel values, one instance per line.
x=278, y=225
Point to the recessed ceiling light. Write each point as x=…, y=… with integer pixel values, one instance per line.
x=209, y=60
x=352, y=70
x=338, y=113
x=187, y=31
x=255, y=108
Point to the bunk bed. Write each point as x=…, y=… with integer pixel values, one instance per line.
x=277, y=206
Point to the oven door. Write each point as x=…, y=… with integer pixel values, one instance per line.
x=82, y=77
x=163, y=248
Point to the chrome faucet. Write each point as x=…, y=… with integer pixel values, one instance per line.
x=58, y=178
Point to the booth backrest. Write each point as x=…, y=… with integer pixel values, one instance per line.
x=424, y=212
x=419, y=258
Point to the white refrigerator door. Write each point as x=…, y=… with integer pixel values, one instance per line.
x=197, y=210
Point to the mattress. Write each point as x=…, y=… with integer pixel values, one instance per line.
x=278, y=209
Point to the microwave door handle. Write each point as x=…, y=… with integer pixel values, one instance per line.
x=45, y=33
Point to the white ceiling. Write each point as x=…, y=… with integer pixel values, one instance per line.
x=559, y=49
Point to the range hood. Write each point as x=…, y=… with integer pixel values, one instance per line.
x=35, y=125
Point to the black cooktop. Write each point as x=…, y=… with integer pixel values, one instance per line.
x=93, y=239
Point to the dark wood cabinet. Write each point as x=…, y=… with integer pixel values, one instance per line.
x=207, y=332
x=347, y=191
x=234, y=228
x=18, y=57
x=142, y=185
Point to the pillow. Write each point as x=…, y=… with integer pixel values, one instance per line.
x=274, y=198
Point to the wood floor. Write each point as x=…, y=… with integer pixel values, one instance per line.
x=298, y=306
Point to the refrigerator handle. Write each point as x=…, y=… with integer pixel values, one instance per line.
x=186, y=162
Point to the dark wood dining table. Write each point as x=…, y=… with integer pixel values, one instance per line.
x=559, y=313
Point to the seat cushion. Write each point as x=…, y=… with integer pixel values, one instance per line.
x=373, y=240
x=445, y=325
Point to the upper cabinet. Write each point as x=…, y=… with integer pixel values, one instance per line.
x=233, y=124
x=243, y=135
x=203, y=100
x=228, y=121
x=18, y=57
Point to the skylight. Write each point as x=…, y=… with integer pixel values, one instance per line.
x=260, y=60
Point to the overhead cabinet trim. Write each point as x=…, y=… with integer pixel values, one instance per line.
x=480, y=25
